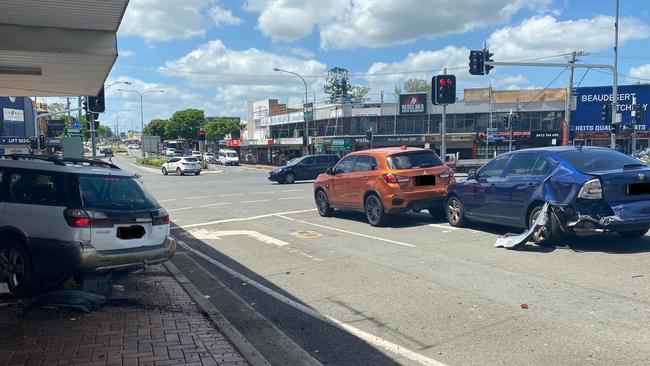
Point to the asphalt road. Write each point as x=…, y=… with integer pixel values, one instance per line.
x=415, y=292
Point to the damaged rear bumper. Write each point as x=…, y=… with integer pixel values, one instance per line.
x=619, y=217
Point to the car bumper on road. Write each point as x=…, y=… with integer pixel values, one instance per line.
x=57, y=259
x=400, y=205
x=275, y=177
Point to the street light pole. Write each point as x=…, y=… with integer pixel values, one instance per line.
x=304, y=104
x=141, y=94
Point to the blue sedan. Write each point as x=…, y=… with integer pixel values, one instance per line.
x=590, y=191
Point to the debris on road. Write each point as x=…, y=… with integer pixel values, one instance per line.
x=72, y=299
x=524, y=306
x=511, y=241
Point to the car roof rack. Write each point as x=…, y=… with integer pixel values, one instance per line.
x=63, y=161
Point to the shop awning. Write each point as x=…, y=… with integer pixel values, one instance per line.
x=57, y=47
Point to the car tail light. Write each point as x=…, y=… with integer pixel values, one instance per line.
x=591, y=190
x=447, y=174
x=84, y=218
x=393, y=178
x=160, y=217
x=76, y=218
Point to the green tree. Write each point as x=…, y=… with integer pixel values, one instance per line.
x=337, y=85
x=156, y=128
x=219, y=128
x=184, y=124
x=359, y=94
x=415, y=85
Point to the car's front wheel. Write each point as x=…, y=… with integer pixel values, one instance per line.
x=18, y=271
x=323, y=204
x=633, y=234
x=547, y=235
x=289, y=178
x=164, y=171
x=179, y=171
x=375, y=211
x=455, y=212
x=197, y=173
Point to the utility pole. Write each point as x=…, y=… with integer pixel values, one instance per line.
x=396, y=111
x=489, y=127
x=615, y=80
x=633, y=125
x=510, y=130
x=569, y=94
x=443, y=128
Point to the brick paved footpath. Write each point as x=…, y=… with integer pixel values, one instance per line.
x=151, y=321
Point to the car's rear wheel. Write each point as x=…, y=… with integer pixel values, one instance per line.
x=289, y=178
x=164, y=171
x=197, y=173
x=633, y=234
x=455, y=212
x=20, y=278
x=547, y=235
x=323, y=204
x=179, y=171
x=375, y=211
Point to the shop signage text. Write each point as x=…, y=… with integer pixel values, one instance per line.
x=413, y=103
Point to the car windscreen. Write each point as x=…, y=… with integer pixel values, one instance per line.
x=191, y=160
x=413, y=160
x=231, y=155
x=594, y=160
x=114, y=193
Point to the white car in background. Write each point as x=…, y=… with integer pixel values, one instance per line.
x=197, y=155
x=170, y=151
x=228, y=157
x=182, y=166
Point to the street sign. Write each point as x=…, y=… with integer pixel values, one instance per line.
x=75, y=124
x=340, y=144
x=72, y=132
x=150, y=143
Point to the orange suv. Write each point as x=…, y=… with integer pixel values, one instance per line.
x=385, y=181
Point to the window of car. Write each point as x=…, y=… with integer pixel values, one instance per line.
x=173, y=160
x=593, y=160
x=414, y=160
x=322, y=159
x=542, y=167
x=191, y=160
x=365, y=163
x=101, y=192
x=494, y=168
x=35, y=188
x=232, y=154
x=521, y=165
x=333, y=159
x=310, y=160
x=346, y=165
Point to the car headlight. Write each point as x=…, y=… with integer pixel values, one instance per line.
x=591, y=190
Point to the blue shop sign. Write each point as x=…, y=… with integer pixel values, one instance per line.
x=589, y=103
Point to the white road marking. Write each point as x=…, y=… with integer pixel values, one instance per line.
x=254, y=201
x=265, y=192
x=197, y=197
x=203, y=234
x=230, y=195
x=216, y=204
x=291, y=198
x=444, y=227
x=370, y=338
x=180, y=209
x=349, y=232
x=169, y=200
x=293, y=190
x=241, y=219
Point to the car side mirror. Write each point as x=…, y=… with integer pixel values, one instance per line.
x=471, y=174
x=330, y=171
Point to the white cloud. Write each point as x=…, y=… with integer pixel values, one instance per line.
x=301, y=52
x=510, y=82
x=244, y=75
x=380, y=23
x=164, y=20
x=640, y=72
x=127, y=53
x=546, y=36
x=222, y=16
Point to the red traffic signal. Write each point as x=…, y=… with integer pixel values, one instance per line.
x=445, y=93
x=201, y=135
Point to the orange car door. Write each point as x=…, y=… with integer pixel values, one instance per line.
x=339, y=189
x=358, y=179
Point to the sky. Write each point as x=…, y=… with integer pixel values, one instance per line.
x=217, y=54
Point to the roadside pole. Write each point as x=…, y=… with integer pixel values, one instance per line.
x=93, y=145
x=489, y=126
x=569, y=95
x=615, y=80
x=510, y=130
x=443, y=128
x=633, y=125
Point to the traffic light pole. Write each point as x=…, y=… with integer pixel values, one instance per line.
x=443, y=128
x=510, y=131
x=93, y=146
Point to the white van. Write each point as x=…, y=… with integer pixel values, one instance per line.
x=228, y=157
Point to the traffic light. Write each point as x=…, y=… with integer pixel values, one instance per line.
x=607, y=114
x=369, y=135
x=33, y=143
x=476, y=62
x=615, y=128
x=506, y=123
x=639, y=113
x=487, y=57
x=444, y=90
x=514, y=119
x=41, y=140
x=200, y=135
x=97, y=103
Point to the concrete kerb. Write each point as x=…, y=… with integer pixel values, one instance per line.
x=247, y=350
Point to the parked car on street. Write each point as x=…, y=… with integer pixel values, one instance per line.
x=63, y=218
x=197, y=155
x=385, y=181
x=210, y=157
x=170, y=151
x=591, y=191
x=304, y=168
x=228, y=157
x=182, y=166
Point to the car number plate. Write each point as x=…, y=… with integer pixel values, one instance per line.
x=636, y=189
